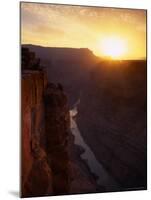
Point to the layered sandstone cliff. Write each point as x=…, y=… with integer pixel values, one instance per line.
x=36, y=173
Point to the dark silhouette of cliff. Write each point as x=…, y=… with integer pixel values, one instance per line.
x=63, y=54
x=113, y=120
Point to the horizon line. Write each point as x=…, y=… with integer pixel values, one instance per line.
x=99, y=56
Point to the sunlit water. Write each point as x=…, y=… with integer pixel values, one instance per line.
x=104, y=178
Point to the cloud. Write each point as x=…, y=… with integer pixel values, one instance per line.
x=78, y=26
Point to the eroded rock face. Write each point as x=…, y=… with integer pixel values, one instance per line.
x=36, y=173
x=45, y=123
x=45, y=131
x=39, y=181
x=56, y=136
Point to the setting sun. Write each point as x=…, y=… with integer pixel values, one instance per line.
x=107, y=32
x=113, y=47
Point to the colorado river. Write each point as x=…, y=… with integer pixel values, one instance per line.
x=88, y=156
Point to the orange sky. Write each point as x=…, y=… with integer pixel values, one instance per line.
x=77, y=26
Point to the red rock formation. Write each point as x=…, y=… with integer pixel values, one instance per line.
x=36, y=173
x=45, y=124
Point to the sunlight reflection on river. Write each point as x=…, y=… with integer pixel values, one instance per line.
x=104, y=178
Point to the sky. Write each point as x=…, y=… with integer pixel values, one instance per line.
x=84, y=27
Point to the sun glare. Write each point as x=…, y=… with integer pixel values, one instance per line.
x=113, y=47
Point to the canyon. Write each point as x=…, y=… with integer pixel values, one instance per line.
x=111, y=120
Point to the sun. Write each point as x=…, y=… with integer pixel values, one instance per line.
x=113, y=47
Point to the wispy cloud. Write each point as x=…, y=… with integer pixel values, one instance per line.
x=79, y=26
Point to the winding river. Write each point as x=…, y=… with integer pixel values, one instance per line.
x=88, y=156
